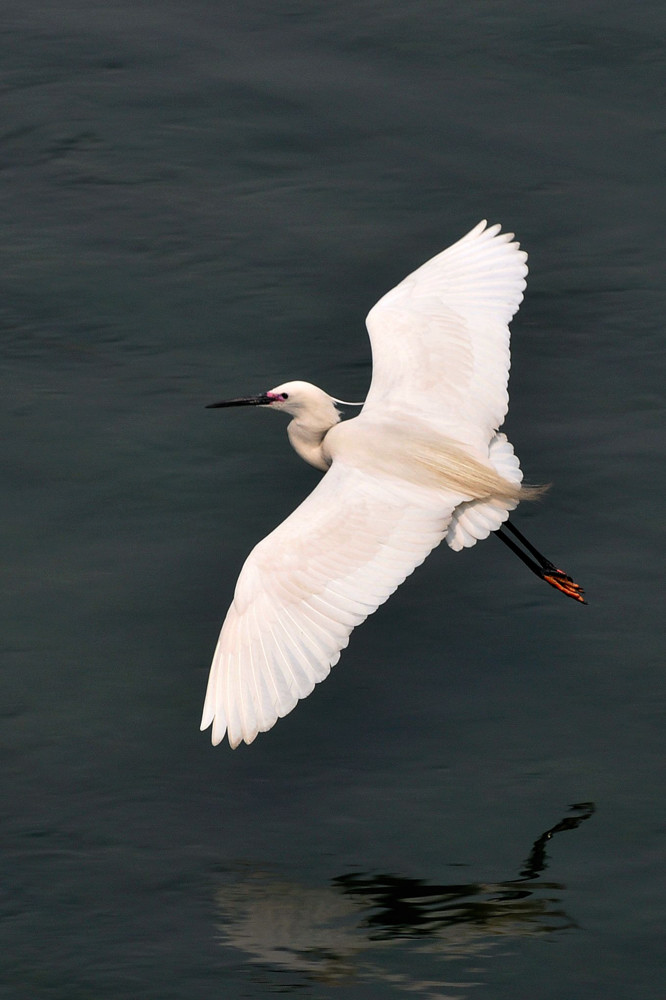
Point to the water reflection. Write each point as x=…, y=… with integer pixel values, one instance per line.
x=387, y=929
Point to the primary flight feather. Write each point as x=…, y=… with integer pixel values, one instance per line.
x=422, y=461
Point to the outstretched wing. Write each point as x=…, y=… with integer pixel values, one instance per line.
x=440, y=339
x=304, y=588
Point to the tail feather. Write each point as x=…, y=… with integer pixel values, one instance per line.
x=476, y=518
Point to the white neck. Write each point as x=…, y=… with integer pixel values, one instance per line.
x=307, y=434
x=313, y=412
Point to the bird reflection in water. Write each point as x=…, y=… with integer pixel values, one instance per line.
x=387, y=929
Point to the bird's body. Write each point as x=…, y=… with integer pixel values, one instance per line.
x=423, y=461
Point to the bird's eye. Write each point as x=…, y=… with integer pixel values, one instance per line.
x=284, y=395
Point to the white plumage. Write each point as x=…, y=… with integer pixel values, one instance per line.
x=421, y=462
x=440, y=339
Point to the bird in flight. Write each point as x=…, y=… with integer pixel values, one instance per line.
x=424, y=460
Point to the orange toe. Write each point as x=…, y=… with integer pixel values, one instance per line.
x=561, y=581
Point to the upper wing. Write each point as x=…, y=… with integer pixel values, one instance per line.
x=440, y=339
x=304, y=588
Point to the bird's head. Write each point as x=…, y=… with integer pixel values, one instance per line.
x=302, y=400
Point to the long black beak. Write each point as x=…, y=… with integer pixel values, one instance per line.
x=261, y=400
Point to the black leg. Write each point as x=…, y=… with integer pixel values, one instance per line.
x=539, y=565
x=541, y=559
x=510, y=544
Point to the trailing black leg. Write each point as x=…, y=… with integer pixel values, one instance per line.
x=540, y=566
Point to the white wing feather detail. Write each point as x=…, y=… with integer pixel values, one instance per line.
x=303, y=589
x=473, y=520
x=440, y=339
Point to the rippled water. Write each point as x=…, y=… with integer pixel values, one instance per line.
x=200, y=201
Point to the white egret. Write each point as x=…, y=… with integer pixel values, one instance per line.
x=422, y=461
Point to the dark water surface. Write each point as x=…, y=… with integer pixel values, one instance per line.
x=200, y=200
